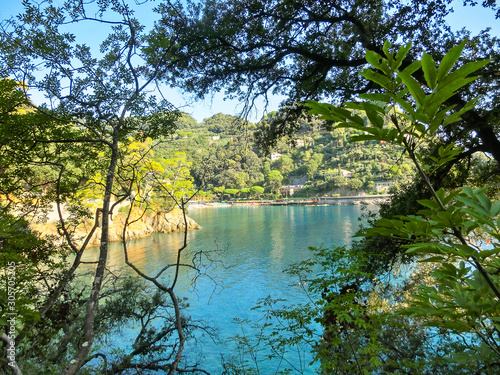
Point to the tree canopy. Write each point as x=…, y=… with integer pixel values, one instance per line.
x=92, y=140
x=313, y=50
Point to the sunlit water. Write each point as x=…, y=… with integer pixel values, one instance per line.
x=256, y=244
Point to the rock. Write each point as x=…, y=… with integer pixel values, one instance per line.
x=141, y=226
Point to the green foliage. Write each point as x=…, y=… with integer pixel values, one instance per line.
x=254, y=50
x=74, y=164
x=420, y=117
x=273, y=181
x=257, y=190
x=232, y=192
x=355, y=184
x=234, y=160
x=221, y=123
x=456, y=231
x=32, y=263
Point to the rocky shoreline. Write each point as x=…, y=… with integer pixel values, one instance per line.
x=169, y=222
x=141, y=226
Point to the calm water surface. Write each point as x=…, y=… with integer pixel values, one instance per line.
x=258, y=243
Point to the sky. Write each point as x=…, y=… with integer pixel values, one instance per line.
x=474, y=19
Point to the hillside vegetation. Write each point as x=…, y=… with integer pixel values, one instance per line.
x=225, y=157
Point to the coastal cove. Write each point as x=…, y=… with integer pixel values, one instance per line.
x=253, y=245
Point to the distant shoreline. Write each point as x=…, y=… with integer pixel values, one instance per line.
x=320, y=201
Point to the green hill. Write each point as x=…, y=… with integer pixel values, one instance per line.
x=223, y=153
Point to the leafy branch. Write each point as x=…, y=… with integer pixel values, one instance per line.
x=410, y=114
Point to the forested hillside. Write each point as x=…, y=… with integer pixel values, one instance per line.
x=224, y=154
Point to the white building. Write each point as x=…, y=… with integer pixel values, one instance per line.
x=344, y=173
x=383, y=185
x=275, y=156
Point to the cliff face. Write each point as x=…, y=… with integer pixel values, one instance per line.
x=139, y=226
x=172, y=221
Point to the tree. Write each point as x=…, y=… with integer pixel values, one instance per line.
x=313, y=164
x=176, y=179
x=255, y=49
x=232, y=192
x=220, y=190
x=257, y=190
x=98, y=103
x=273, y=181
x=258, y=48
x=245, y=191
x=452, y=230
x=239, y=179
x=338, y=182
x=354, y=184
x=186, y=121
x=221, y=123
x=285, y=164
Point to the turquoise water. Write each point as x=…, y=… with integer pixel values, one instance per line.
x=250, y=246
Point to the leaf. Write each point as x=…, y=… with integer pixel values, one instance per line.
x=405, y=105
x=462, y=72
x=323, y=109
x=485, y=202
x=377, y=78
x=373, y=58
x=468, y=191
x=386, y=47
x=386, y=98
x=364, y=137
x=433, y=259
x=449, y=60
x=495, y=208
x=414, y=87
x=428, y=248
x=401, y=54
x=442, y=118
x=429, y=68
x=465, y=251
x=430, y=203
x=454, y=117
x=483, y=254
x=412, y=68
x=442, y=94
x=372, y=114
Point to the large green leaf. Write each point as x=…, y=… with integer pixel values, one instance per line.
x=371, y=111
x=449, y=60
x=462, y=72
x=378, y=78
x=401, y=54
x=373, y=58
x=414, y=87
x=429, y=68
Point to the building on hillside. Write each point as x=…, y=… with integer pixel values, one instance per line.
x=345, y=173
x=290, y=189
x=216, y=137
x=275, y=156
x=299, y=143
x=303, y=143
x=383, y=185
x=298, y=180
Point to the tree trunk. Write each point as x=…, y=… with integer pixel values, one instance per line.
x=93, y=301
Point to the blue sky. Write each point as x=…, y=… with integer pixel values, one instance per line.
x=474, y=19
